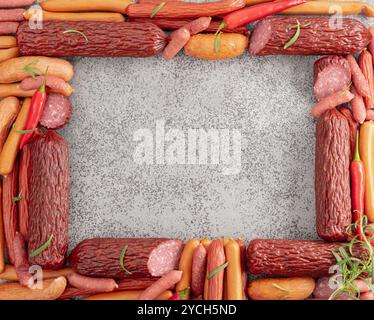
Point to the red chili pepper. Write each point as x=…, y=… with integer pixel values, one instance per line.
x=250, y=14
x=36, y=110
x=358, y=190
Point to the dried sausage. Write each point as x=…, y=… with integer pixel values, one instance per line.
x=96, y=39
x=55, y=84
x=215, y=259
x=358, y=106
x=21, y=263
x=358, y=78
x=144, y=257
x=291, y=258
x=178, y=40
x=198, y=270
x=332, y=178
x=317, y=38
x=48, y=194
x=332, y=101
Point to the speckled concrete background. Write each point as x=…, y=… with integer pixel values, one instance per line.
x=267, y=99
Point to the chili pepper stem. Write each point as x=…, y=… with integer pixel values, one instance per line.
x=220, y=27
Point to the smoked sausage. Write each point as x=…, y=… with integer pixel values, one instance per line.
x=126, y=258
x=291, y=258
x=48, y=205
x=332, y=178
x=316, y=37
x=95, y=39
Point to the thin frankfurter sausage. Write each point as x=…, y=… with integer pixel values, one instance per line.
x=87, y=283
x=216, y=258
x=85, y=5
x=15, y=69
x=234, y=282
x=56, y=84
x=10, y=274
x=330, y=102
x=206, y=243
x=79, y=16
x=333, y=7
x=358, y=77
x=185, y=265
x=243, y=264
x=21, y=262
x=7, y=42
x=199, y=25
x=6, y=54
x=8, y=27
x=11, y=15
x=52, y=289
x=198, y=270
x=371, y=44
x=13, y=89
x=181, y=9
x=166, y=282
x=127, y=295
x=11, y=146
x=365, y=61
x=9, y=108
x=358, y=106
x=178, y=40
x=15, y=3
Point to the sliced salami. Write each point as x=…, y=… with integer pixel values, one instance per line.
x=57, y=111
x=331, y=74
x=126, y=258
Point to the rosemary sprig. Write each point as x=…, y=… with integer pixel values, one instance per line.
x=157, y=9
x=217, y=270
x=17, y=198
x=25, y=131
x=32, y=70
x=217, y=42
x=352, y=267
x=77, y=32
x=296, y=36
x=44, y=246
x=122, y=259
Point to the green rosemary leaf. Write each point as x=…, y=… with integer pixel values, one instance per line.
x=122, y=259
x=25, y=131
x=218, y=270
x=281, y=288
x=295, y=36
x=76, y=31
x=32, y=70
x=217, y=42
x=157, y=9
x=44, y=246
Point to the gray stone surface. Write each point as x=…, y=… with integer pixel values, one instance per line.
x=267, y=99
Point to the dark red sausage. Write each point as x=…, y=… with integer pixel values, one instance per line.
x=100, y=257
x=291, y=258
x=23, y=203
x=48, y=192
x=21, y=263
x=174, y=24
x=10, y=214
x=353, y=125
x=123, y=285
x=57, y=111
x=272, y=34
x=104, y=39
x=332, y=176
x=7, y=15
x=8, y=27
x=331, y=74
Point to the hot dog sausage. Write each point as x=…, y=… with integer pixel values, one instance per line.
x=11, y=15
x=21, y=262
x=332, y=101
x=358, y=77
x=178, y=40
x=15, y=3
x=358, y=106
x=166, y=282
x=88, y=283
x=8, y=27
x=198, y=270
x=216, y=258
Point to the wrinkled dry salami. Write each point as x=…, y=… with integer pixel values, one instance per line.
x=291, y=258
x=331, y=74
x=96, y=39
x=145, y=257
x=317, y=37
x=48, y=193
x=332, y=179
